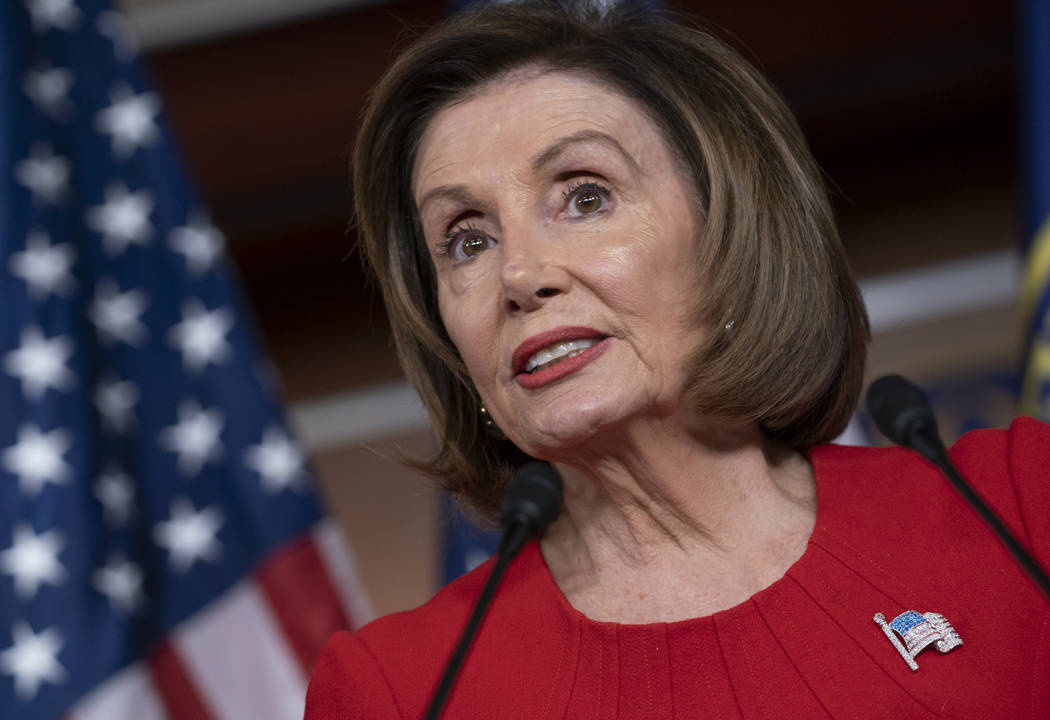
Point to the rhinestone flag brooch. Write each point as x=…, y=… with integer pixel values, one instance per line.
x=918, y=631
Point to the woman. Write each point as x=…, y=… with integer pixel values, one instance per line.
x=603, y=243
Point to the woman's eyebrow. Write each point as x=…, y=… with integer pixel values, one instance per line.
x=551, y=153
x=460, y=194
x=456, y=193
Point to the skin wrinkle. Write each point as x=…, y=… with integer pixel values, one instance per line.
x=639, y=506
x=452, y=194
x=550, y=155
x=656, y=497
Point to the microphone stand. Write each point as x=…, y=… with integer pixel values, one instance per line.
x=513, y=539
x=531, y=502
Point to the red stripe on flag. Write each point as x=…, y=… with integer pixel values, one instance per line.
x=307, y=606
x=175, y=687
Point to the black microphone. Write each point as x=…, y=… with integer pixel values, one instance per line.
x=902, y=413
x=531, y=502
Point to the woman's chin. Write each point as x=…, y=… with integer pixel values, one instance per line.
x=560, y=436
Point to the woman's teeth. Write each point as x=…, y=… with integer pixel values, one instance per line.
x=556, y=353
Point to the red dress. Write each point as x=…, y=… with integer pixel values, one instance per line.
x=891, y=535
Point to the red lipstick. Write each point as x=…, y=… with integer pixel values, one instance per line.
x=534, y=344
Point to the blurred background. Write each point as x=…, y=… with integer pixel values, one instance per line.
x=910, y=108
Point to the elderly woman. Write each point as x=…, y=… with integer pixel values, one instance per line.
x=603, y=243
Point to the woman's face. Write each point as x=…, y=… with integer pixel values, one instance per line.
x=563, y=234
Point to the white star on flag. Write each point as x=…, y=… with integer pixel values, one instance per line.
x=129, y=120
x=122, y=219
x=116, y=27
x=189, y=535
x=276, y=459
x=45, y=174
x=201, y=243
x=33, y=659
x=116, y=314
x=36, y=458
x=33, y=559
x=200, y=337
x=40, y=363
x=115, y=400
x=117, y=495
x=194, y=438
x=120, y=581
x=47, y=14
x=47, y=87
x=44, y=267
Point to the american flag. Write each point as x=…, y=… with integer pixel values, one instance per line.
x=162, y=553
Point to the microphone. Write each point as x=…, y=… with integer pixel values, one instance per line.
x=531, y=503
x=902, y=413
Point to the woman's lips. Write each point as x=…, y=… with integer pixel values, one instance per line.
x=532, y=381
x=534, y=344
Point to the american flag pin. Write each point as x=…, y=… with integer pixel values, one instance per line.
x=918, y=631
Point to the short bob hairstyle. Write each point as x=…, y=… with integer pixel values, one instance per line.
x=787, y=329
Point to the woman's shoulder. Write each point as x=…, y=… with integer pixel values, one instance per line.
x=1018, y=452
x=437, y=621
x=371, y=672
x=1009, y=469
x=390, y=667
x=348, y=682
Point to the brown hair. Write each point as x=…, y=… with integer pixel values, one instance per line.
x=788, y=332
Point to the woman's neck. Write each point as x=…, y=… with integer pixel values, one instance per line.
x=670, y=526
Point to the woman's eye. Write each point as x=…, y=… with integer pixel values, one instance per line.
x=473, y=245
x=587, y=199
x=465, y=244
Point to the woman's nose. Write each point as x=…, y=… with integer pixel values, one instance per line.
x=530, y=275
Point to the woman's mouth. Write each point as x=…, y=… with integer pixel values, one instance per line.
x=552, y=355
